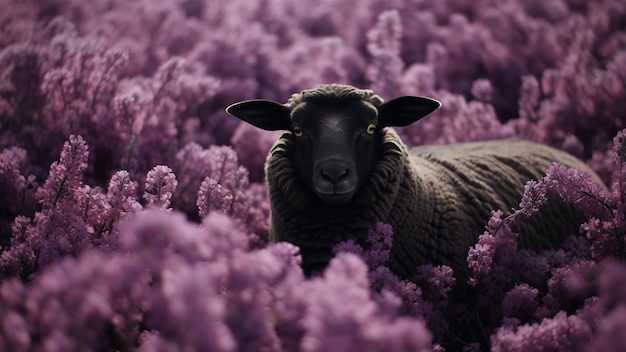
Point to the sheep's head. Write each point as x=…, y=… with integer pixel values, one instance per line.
x=337, y=133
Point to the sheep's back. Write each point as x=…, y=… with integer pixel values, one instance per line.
x=465, y=183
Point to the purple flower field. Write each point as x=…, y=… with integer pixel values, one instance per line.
x=133, y=209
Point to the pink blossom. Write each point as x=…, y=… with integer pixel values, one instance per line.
x=119, y=87
x=160, y=186
x=212, y=196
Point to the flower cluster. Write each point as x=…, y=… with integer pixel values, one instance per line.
x=198, y=287
x=425, y=296
x=73, y=217
x=556, y=293
x=150, y=227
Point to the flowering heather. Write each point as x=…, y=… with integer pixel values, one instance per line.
x=131, y=204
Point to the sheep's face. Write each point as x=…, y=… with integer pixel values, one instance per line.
x=337, y=133
x=336, y=148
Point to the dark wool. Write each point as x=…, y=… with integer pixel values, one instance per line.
x=437, y=198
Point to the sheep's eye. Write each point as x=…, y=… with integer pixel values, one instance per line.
x=297, y=131
x=371, y=128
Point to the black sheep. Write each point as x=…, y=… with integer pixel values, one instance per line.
x=340, y=168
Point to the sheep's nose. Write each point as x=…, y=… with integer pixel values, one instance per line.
x=334, y=174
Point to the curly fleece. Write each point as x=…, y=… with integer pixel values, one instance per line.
x=437, y=198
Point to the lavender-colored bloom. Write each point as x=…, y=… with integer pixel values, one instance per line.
x=520, y=303
x=121, y=195
x=234, y=282
x=349, y=246
x=70, y=214
x=482, y=90
x=605, y=225
x=187, y=309
x=146, y=84
x=256, y=214
x=193, y=164
x=160, y=186
x=561, y=333
x=619, y=184
x=73, y=294
x=14, y=326
x=332, y=321
x=576, y=330
x=577, y=187
x=609, y=335
x=569, y=286
x=16, y=189
x=249, y=138
x=225, y=169
x=426, y=297
x=66, y=174
x=220, y=183
x=154, y=235
x=498, y=243
x=533, y=198
x=530, y=93
x=384, y=47
x=380, y=241
x=457, y=121
x=212, y=196
x=611, y=283
x=436, y=283
x=213, y=169
x=604, y=241
x=246, y=278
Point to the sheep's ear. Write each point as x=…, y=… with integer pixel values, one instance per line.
x=403, y=111
x=264, y=114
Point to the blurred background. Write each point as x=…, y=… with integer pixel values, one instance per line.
x=140, y=79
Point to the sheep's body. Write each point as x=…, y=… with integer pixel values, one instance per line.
x=437, y=198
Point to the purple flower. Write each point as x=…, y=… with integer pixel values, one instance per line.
x=436, y=283
x=73, y=217
x=66, y=174
x=380, y=240
x=569, y=286
x=561, y=333
x=403, y=296
x=14, y=326
x=57, y=305
x=17, y=189
x=251, y=145
x=609, y=335
x=147, y=85
x=212, y=196
x=495, y=248
x=160, y=186
x=209, y=176
x=611, y=284
x=577, y=187
x=188, y=311
x=331, y=320
x=482, y=90
x=121, y=195
x=534, y=197
x=520, y=302
x=530, y=93
x=384, y=46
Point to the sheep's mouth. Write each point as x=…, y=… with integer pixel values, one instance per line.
x=334, y=197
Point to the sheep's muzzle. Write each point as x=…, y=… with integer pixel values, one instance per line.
x=335, y=180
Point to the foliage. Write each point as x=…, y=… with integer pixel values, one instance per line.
x=132, y=204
